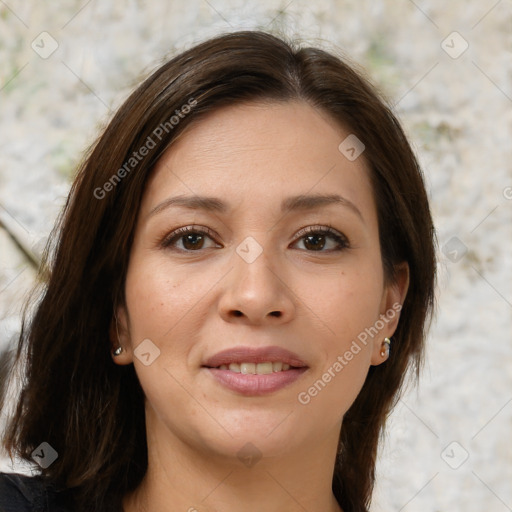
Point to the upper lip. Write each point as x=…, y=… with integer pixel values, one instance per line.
x=254, y=355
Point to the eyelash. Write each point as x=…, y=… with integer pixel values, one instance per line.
x=341, y=240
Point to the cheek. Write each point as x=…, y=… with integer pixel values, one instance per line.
x=149, y=298
x=159, y=302
x=157, y=297
x=347, y=302
x=166, y=305
x=331, y=392
x=347, y=305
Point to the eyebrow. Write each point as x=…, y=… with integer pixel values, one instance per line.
x=290, y=204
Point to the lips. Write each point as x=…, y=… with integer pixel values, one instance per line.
x=254, y=355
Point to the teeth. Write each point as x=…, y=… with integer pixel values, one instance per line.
x=263, y=368
x=248, y=368
x=256, y=368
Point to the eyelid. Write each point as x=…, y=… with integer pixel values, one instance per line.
x=178, y=232
x=325, y=229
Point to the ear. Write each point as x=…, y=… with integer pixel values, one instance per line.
x=393, y=298
x=119, y=335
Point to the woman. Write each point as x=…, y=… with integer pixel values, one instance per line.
x=243, y=276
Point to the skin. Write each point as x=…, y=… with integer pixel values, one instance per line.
x=193, y=304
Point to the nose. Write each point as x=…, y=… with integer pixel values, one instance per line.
x=257, y=292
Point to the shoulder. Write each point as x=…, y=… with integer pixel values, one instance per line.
x=23, y=493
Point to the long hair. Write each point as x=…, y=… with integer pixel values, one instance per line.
x=90, y=410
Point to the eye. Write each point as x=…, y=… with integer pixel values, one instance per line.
x=192, y=238
x=314, y=238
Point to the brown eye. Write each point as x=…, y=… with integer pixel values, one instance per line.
x=192, y=238
x=316, y=239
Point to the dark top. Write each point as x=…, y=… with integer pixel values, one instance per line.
x=22, y=493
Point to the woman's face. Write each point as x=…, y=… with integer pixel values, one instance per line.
x=256, y=272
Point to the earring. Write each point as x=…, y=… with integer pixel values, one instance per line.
x=119, y=349
x=384, y=352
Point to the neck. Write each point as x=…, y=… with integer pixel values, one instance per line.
x=181, y=476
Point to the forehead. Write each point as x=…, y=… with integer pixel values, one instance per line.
x=256, y=153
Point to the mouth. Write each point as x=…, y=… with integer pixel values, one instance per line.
x=248, y=368
x=255, y=371
x=263, y=358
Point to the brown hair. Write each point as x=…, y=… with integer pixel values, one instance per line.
x=91, y=410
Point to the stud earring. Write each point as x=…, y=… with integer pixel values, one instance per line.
x=384, y=352
x=119, y=349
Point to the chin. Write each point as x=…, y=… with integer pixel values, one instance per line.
x=267, y=434
x=249, y=448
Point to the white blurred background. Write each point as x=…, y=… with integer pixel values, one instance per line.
x=447, y=69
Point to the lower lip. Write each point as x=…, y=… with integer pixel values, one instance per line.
x=256, y=385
